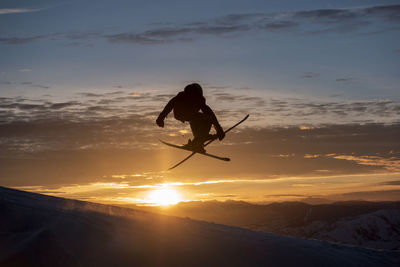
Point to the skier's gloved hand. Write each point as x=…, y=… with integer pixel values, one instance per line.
x=160, y=122
x=220, y=133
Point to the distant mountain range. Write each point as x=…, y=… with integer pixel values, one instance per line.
x=39, y=230
x=367, y=224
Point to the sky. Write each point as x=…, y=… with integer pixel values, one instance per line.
x=82, y=82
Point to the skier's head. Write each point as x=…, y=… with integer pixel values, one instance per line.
x=194, y=89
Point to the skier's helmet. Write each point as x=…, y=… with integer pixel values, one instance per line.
x=194, y=89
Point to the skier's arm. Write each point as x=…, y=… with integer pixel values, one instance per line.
x=207, y=110
x=168, y=108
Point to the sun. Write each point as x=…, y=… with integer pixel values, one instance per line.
x=164, y=197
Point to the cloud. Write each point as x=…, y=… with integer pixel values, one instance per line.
x=289, y=110
x=330, y=15
x=134, y=38
x=40, y=86
x=281, y=25
x=81, y=44
x=80, y=35
x=391, y=183
x=285, y=195
x=169, y=35
x=264, y=110
x=77, y=132
x=389, y=163
x=341, y=110
x=14, y=105
x=18, y=10
x=221, y=30
x=308, y=22
x=25, y=70
x=311, y=75
x=239, y=18
x=390, y=13
x=62, y=105
x=228, y=97
x=33, y=85
x=21, y=40
x=344, y=79
x=25, y=113
x=166, y=32
x=378, y=195
x=116, y=129
x=90, y=95
x=73, y=37
x=115, y=93
x=302, y=22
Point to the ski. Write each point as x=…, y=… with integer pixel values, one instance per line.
x=206, y=144
x=205, y=154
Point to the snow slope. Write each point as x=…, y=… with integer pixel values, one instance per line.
x=38, y=230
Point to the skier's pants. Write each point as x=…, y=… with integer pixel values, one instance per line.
x=201, y=126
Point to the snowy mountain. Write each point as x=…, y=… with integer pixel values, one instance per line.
x=39, y=230
x=380, y=230
x=367, y=224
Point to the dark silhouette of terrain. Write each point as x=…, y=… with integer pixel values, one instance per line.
x=368, y=224
x=39, y=230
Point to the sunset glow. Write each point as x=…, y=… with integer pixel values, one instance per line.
x=79, y=99
x=209, y=133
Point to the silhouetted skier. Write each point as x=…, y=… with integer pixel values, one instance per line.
x=187, y=105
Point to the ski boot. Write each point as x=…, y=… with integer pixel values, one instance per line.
x=194, y=146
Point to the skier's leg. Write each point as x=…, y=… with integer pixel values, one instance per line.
x=201, y=126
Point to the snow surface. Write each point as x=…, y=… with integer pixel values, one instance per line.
x=39, y=230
